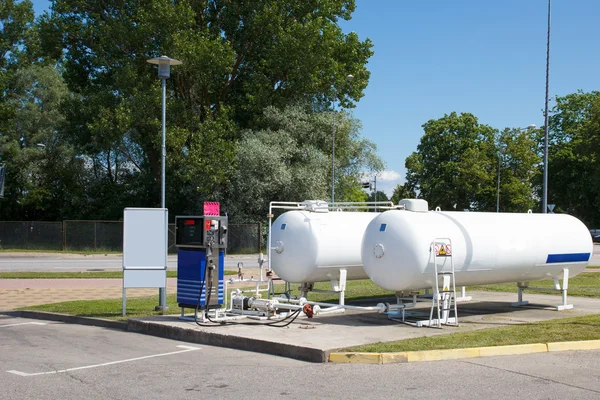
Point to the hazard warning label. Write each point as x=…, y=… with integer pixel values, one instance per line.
x=443, y=249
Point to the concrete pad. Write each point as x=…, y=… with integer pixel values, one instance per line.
x=331, y=333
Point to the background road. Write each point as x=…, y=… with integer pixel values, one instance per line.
x=168, y=371
x=75, y=262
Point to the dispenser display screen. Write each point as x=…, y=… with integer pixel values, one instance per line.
x=190, y=231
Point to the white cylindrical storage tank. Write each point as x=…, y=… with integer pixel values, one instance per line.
x=486, y=247
x=313, y=246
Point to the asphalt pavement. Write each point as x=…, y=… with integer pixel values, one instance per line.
x=46, y=360
x=97, y=262
x=111, y=262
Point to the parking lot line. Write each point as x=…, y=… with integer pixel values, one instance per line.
x=186, y=349
x=23, y=323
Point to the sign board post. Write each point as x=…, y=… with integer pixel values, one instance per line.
x=145, y=236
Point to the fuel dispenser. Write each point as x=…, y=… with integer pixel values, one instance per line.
x=201, y=242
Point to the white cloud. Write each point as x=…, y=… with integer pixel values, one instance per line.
x=389, y=176
x=386, y=181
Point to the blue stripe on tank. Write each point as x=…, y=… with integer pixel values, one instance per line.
x=570, y=257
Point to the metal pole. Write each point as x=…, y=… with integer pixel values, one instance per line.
x=498, y=195
x=162, y=295
x=545, y=184
x=259, y=237
x=333, y=156
x=375, y=185
x=164, y=146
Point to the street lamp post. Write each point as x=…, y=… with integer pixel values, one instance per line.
x=531, y=126
x=164, y=71
x=348, y=78
x=545, y=182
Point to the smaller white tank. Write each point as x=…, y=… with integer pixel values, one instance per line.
x=312, y=246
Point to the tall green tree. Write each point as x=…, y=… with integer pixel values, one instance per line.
x=574, y=156
x=453, y=166
x=16, y=33
x=402, y=192
x=238, y=59
x=44, y=178
x=518, y=163
x=290, y=160
x=42, y=175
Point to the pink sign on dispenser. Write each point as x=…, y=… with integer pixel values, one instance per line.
x=212, y=208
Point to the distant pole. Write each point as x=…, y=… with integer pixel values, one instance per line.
x=375, y=185
x=498, y=193
x=333, y=156
x=545, y=184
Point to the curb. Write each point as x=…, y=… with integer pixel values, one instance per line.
x=455, y=354
x=69, y=319
x=229, y=341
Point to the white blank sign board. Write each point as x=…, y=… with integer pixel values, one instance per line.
x=145, y=237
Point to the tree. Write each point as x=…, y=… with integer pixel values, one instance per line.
x=44, y=176
x=574, y=156
x=452, y=167
x=378, y=196
x=290, y=160
x=42, y=173
x=518, y=169
x=16, y=33
x=239, y=59
x=402, y=192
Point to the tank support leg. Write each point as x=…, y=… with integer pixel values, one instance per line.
x=304, y=288
x=340, y=286
x=521, y=286
x=463, y=295
x=565, y=287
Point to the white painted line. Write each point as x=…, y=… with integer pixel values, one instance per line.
x=24, y=323
x=186, y=349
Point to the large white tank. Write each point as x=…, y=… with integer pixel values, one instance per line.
x=313, y=246
x=486, y=247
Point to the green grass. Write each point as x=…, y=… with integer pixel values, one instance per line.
x=78, y=275
x=557, y=330
x=586, y=284
x=110, y=309
x=144, y=306
x=80, y=252
x=355, y=290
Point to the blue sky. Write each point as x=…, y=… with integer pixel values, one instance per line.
x=485, y=57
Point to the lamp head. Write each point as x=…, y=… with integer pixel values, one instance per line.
x=164, y=65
